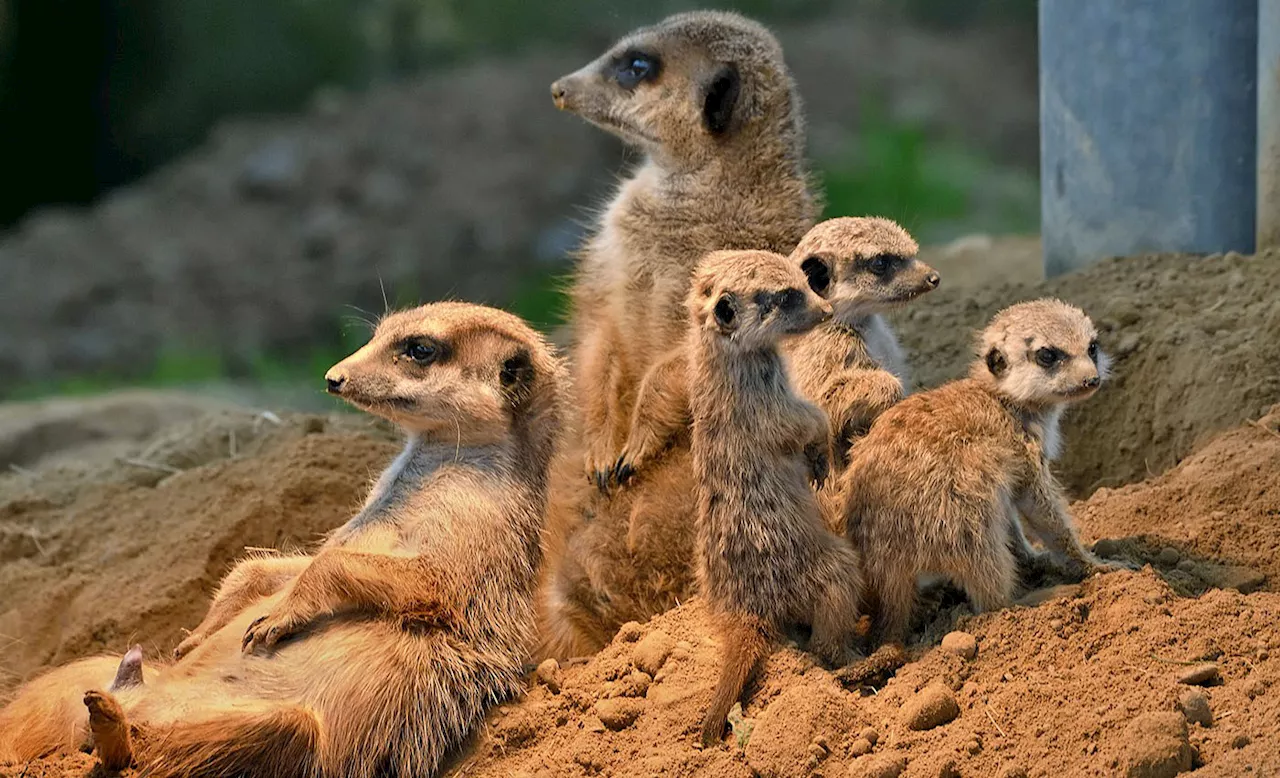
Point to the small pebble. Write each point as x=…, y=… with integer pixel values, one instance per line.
x=548, y=674
x=1195, y=707
x=932, y=706
x=630, y=632
x=1206, y=674
x=961, y=644
x=1056, y=625
x=651, y=652
x=881, y=766
x=860, y=747
x=949, y=769
x=1186, y=565
x=870, y=735
x=1240, y=741
x=1168, y=557
x=619, y=712
x=973, y=747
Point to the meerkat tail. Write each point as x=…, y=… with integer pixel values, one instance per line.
x=110, y=730
x=279, y=743
x=746, y=640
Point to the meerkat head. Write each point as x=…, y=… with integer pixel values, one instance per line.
x=751, y=299
x=1041, y=353
x=456, y=371
x=863, y=266
x=689, y=89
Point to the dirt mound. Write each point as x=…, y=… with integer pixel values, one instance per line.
x=1195, y=342
x=95, y=555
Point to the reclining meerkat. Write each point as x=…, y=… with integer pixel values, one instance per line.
x=384, y=649
x=765, y=559
x=851, y=366
x=943, y=480
x=707, y=98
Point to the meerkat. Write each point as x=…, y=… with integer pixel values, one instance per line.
x=851, y=366
x=708, y=99
x=943, y=480
x=385, y=648
x=765, y=559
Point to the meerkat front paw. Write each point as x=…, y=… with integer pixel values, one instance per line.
x=266, y=631
x=819, y=459
x=188, y=644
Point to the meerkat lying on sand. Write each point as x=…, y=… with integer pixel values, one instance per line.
x=765, y=559
x=943, y=480
x=383, y=650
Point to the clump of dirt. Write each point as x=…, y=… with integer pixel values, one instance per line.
x=1195, y=342
x=1214, y=520
x=98, y=554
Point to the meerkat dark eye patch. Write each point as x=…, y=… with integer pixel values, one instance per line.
x=883, y=265
x=1093, y=350
x=721, y=99
x=516, y=377
x=790, y=300
x=423, y=351
x=818, y=272
x=996, y=363
x=634, y=68
x=726, y=313
x=1048, y=356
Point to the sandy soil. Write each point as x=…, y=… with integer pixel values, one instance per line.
x=111, y=546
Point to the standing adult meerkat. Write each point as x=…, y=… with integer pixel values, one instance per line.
x=942, y=481
x=383, y=650
x=851, y=366
x=765, y=559
x=707, y=98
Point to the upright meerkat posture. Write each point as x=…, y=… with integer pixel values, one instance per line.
x=383, y=650
x=708, y=99
x=765, y=559
x=851, y=366
x=940, y=482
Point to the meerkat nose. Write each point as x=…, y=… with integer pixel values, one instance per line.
x=333, y=382
x=1092, y=382
x=933, y=279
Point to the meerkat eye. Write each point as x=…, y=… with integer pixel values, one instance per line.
x=634, y=68
x=1093, y=350
x=422, y=353
x=880, y=265
x=790, y=299
x=1047, y=356
x=818, y=273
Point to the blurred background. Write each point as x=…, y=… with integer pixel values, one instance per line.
x=223, y=192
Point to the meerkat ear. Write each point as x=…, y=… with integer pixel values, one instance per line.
x=721, y=98
x=996, y=362
x=726, y=313
x=818, y=272
x=516, y=378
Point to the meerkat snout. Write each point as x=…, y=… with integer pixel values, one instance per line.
x=333, y=381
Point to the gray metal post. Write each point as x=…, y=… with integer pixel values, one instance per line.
x=1268, y=124
x=1147, y=127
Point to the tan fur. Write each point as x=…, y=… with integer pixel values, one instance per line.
x=939, y=482
x=765, y=559
x=733, y=178
x=632, y=558
x=387, y=646
x=851, y=367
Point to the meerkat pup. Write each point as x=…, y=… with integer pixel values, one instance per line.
x=383, y=650
x=851, y=366
x=765, y=559
x=943, y=480
x=707, y=98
